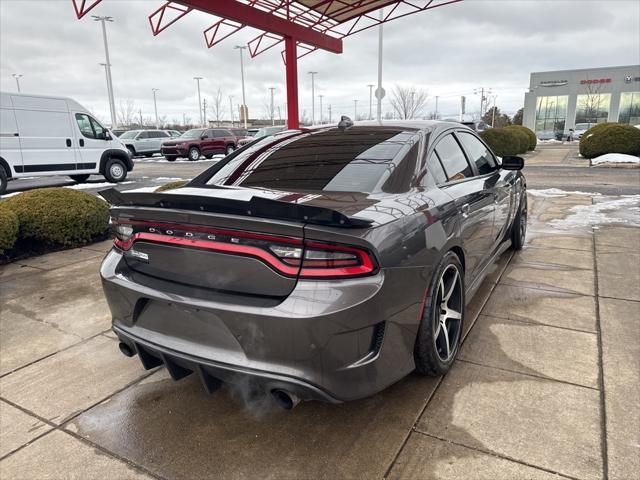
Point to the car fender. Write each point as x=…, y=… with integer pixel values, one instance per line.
x=115, y=153
x=5, y=165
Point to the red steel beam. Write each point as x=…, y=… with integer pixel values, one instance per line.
x=83, y=8
x=241, y=13
x=291, y=60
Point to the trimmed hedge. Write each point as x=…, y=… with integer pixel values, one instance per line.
x=171, y=185
x=610, y=138
x=523, y=139
x=59, y=216
x=503, y=142
x=533, y=140
x=9, y=227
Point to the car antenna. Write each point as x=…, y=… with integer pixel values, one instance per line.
x=345, y=123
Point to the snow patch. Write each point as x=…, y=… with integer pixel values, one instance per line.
x=605, y=211
x=557, y=193
x=615, y=158
x=88, y=186
x=169, y=179
x=141, y=189
x=9, y=195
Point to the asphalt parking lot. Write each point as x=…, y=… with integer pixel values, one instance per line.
x=547, y=384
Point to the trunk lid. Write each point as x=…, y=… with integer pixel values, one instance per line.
x=230, y=240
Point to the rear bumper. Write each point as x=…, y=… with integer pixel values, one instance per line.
x=328, y=340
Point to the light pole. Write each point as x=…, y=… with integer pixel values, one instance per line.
x=243, y=110
x=231, y=109
x=17, y=77
x=313, y=96
x=493, y=114
x=371, y=100
x=436, y=108
x=155, y=105
x=106, y=74
x=271, y=112
x=112, y=102
x=483, y=99
x=379, y=91
x=197, y=79
x=320, y=108
x=355, y=110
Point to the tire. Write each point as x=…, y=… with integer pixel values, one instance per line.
x=79, y=178
x=208, y=156
x=194, y=154
x=170, y=158
x=132, y=151
x=436, y=347
x=115, y=170
x=3, y=180
x=229, y=150
x=519, y=227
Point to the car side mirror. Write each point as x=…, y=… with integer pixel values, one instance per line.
x=511, y=162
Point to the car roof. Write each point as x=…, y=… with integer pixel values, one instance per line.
x=428, y=126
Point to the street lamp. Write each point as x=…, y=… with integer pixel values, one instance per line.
x=231, y=109
x=155, y=105
x=112, y=102
x=370, y=100
x=271, y=111
x=243, y=110
x=197, y=79
x=17, y=77
x=313, y=97
x=355, y=110
x=321, y=96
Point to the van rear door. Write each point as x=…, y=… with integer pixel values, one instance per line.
x=46, y=137
x=9, y=135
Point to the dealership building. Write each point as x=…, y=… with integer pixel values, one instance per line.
x=559, y=100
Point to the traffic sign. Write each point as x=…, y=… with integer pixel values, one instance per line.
x=380, y=93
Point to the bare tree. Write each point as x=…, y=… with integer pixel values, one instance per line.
x=127, y=113
x=590, y=104
x=408, y=102
x=217, y=107
x=269, y=113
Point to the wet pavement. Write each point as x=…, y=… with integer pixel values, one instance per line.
x=547, y=384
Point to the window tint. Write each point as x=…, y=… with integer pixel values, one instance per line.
x=355, y=160
x=435, y=170
x=478, y=153
x=143, y=135
x=453, y=160
x=157, y=134
x=84, y=123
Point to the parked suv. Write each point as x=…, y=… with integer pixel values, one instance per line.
x=144, y=142
x=200, y=141
x=262, y=132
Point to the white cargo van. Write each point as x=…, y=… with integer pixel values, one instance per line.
x=56, y=136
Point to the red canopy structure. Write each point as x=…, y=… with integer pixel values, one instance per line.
x=303, y=25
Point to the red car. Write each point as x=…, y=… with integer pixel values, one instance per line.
x=200, y=141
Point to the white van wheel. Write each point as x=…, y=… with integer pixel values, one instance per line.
x=115, y=171
x=3, y=180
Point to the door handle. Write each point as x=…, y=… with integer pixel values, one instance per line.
x=68, y=142
x=465, y=210
x=82, y=142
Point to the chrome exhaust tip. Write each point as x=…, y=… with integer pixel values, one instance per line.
x=126, y=349
x=284, y=399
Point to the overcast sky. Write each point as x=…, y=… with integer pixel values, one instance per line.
x=448, y=51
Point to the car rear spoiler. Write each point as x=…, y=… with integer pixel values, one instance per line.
x=256, y=207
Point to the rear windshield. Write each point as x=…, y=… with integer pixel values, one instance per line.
x=355, y=160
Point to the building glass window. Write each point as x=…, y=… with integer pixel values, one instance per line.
x=551, y=114
x=630, y=108
x=593, y=108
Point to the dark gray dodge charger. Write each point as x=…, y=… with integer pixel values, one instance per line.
x=315, y=264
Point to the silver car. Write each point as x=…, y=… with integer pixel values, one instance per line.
x=144, y=142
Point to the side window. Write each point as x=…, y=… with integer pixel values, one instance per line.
x=142, y=135
x=99, y=130
x=453, y=160
x=84, y=124
x=435, y=170
x=478, y=153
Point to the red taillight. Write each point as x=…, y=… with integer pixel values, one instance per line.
x=288, y=256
